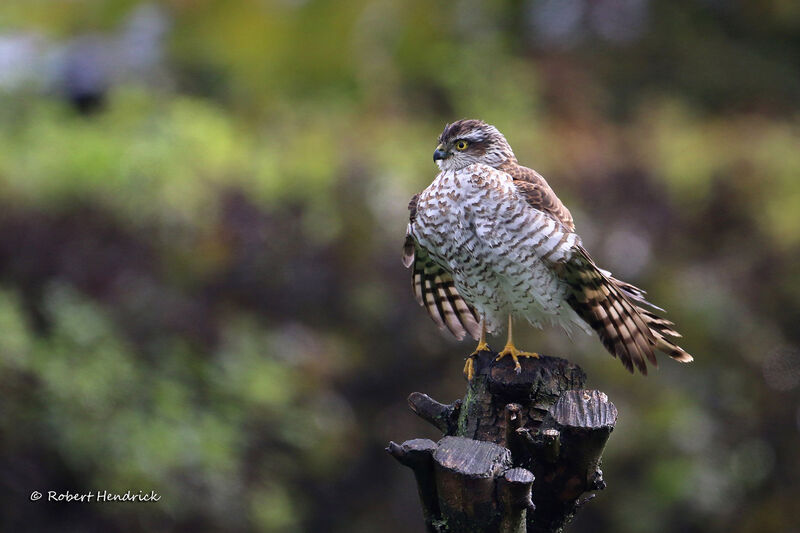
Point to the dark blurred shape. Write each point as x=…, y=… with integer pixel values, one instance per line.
x=84, y=69
x=85, y=73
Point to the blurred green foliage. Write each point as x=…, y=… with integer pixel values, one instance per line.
x=200, y=285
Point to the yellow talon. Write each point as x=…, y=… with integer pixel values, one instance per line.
x=469, y=365
x=515, y=354
x=482, y=347
x=469, y=368
x=512, y=351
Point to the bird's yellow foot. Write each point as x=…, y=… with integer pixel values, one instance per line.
x=469, y=365
x=515, y=354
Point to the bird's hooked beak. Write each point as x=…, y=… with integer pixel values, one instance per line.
x=440, y=153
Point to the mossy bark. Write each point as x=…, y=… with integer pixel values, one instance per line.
x=519, y=451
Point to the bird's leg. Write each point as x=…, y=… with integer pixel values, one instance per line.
x=512, y=350
x=469, y=366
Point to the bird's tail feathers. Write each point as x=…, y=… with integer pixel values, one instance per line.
x=631, y=291
x=662, y=329
x=611, y=307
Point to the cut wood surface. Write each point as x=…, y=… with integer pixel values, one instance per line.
x=519, y=452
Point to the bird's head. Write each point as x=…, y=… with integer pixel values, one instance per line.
x=465, y=142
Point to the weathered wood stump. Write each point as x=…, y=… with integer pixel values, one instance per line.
x=519, y=451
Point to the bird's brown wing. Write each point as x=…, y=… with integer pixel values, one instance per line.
x=538, y=193
x=609, y=306
x=435, y=289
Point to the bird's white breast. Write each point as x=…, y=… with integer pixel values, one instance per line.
x=476, y=225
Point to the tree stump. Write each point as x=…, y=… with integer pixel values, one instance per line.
x=518, y=453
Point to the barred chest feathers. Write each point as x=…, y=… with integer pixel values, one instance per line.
x=475, y=225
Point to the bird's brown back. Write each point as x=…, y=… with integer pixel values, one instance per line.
x=537, y=192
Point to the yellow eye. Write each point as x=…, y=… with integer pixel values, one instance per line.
x=461, y=145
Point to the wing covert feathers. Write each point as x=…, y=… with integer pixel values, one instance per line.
x=537, y=192
x=610, y=307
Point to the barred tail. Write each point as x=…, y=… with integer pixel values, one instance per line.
x=609, y=306
x=661, y=328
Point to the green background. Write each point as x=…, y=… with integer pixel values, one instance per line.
x=201, y=290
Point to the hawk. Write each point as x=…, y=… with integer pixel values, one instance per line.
x=489, y=240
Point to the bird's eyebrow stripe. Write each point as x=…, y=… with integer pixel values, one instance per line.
x=471, y=130
x=475, y=136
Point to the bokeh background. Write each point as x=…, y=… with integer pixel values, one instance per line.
x=202, y=206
